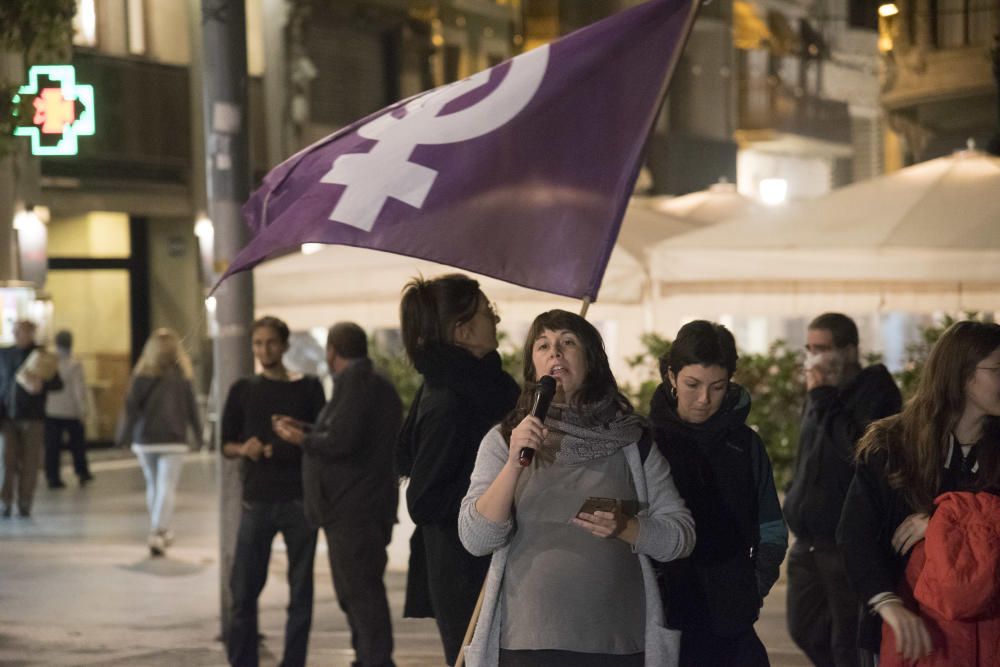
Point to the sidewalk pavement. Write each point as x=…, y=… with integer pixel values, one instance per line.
x=78, y=588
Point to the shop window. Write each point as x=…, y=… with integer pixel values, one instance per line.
x=93, y=235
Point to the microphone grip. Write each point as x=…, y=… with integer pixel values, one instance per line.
x=539, y=409
x=525, y=456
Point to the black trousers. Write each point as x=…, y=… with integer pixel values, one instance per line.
x=547, y=658
x=259, y=524
x=700, y=647
x=70, y=431
x=454, y=579
x=357, y=562
x=822, y=607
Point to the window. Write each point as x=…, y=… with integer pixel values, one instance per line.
x=984, y=21
x=951, y=28
x=863, y=14
x=136, y=16
x=85, y=23
x=452, y=62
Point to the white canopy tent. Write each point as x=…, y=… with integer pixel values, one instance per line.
x=923, y=239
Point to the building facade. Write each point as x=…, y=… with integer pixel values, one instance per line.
x=940, y=76
x=123, y=257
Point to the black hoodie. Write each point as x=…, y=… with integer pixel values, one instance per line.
x=724, y=475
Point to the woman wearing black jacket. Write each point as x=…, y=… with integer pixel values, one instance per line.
x=449, y=331
x=723, y=473
x=947, y=438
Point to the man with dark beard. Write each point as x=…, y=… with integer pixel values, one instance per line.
x=272, y=493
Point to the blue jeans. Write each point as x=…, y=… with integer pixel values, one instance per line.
x=162, y=470
x=260, y=522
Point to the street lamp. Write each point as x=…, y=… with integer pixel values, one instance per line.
x=887, y=9
x=773, y=191
x=886, y=12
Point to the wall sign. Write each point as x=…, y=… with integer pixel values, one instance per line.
x=63, y=110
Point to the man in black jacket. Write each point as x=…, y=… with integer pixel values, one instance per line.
x=350, y=486
x=843, y=400
x=23, y=403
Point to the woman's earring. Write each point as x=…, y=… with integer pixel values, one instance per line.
x=673, y=391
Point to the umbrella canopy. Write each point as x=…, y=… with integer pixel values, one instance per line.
x=341, y=274
x=937, y=222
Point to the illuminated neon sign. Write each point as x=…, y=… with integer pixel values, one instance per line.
x=63, y=110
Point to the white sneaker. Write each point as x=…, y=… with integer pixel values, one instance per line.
x=157, y=545
x=168, y=537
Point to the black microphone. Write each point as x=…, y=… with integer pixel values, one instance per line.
x=544, y=392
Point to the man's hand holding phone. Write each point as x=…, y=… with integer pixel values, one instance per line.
x=290, y=429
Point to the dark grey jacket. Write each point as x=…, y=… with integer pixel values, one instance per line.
x=348, y=473
x=833, y=420
x=159, y=410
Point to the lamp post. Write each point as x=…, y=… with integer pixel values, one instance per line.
x=224, y=85
x=993, y=146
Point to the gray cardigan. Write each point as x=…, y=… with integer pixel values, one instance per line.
x=666, y=532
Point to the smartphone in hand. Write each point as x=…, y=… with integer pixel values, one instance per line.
x=597, y=504
x=305, y=427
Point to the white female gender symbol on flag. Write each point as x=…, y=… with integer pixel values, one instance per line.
x=385, y=171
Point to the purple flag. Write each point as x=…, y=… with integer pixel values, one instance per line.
x=521, y=172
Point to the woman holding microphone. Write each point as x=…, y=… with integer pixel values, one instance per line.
x=572, y=533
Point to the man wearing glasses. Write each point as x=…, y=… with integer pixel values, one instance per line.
x=843, y=399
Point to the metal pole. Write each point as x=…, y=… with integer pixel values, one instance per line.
x=11, y=69
x=994, y=144
x=228, y=186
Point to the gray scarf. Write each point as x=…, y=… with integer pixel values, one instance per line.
x=572, y=441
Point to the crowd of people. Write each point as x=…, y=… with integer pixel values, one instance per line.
x=580, y=533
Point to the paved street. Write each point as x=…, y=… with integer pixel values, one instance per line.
x=77, y=586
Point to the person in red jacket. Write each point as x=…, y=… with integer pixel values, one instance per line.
x=955, y=583
x=947, y=438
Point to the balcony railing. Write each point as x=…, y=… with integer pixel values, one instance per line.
x=766, y=101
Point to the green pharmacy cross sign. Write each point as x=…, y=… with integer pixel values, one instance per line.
x=63, y=110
